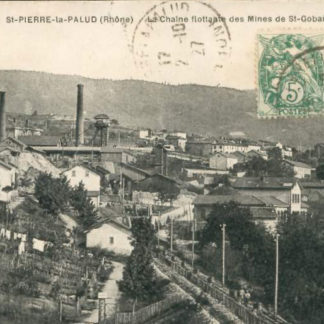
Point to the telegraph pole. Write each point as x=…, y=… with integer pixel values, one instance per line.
x=158, y=237
x=276, y=277
x=171, y=239
x=223, y=254
x=193, y=242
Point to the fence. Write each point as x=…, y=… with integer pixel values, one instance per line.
x=238, y=309
x=148, y=312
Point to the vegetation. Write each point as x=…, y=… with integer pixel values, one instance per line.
x=250, y=255
x=52, y=193
x=257, y=166
x=139, y=280
x=55, y=195
x=83, y=205
x=320, y=172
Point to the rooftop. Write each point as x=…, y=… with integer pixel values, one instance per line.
x=244, y=200
x=40, y=140
x=263, y=183
x=299, y=164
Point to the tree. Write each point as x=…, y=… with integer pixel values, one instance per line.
x=139, y=281
x=52, y=193
x=275, y=153
x=320, y=172
x=301, y=279
x=83, y=205
x=250, y=245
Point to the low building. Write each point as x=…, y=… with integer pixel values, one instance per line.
x=13, y=143
x=144, y=133
x=230, y=147
x=117, y=155
x=178, y=142
x=222, y=161
x=7, y=175
x=157, y=187
x=286, y=190
x=204, y=204
x=110, y=235
x=40, y=141
x=301, y=170
x=16, y=131
x=256, y=154
x=89, y=177
x=200, y=147
x=193, y=173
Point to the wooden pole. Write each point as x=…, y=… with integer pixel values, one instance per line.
x=171, y=238
x=158, y=223
x=193, y=243
x=162, y=164
x=223, y=254
x=276, y=277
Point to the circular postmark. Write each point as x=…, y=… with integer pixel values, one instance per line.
x=291, y=70
x=180, y=38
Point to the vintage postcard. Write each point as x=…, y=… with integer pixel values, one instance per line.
x=162, y=162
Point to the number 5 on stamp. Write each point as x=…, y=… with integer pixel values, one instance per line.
x=290, y=75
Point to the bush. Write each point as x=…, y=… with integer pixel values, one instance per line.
x=202, y=299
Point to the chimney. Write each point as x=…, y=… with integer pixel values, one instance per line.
x=79, y=129
x=2, y=116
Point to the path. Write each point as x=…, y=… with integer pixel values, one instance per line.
x=112, y=291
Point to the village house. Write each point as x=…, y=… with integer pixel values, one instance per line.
x=7, y=175
x=230, y=147
x=256, y=154
x=301, y=170
x=195, y=172
x=116, y=155
x=89, y=177
x=222, y=161
x=200, y=147
x=312, y=191
x=130, y=175
x=13, y=143
x=260, y=211
x=110, y=235
x=144, y=133
x=285, y=190
x=155, y=189
x=178, y=142
x=241, y=157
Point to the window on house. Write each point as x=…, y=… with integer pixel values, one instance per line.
x=295, y=198
x=111, y=240
x=73, y=173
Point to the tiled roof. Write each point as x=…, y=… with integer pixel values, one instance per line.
x=273, y=201
x=299, y=164
x=244, y=200
x=312, y=184
x=263, y=183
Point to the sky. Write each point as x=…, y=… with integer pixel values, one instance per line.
x=167, y=52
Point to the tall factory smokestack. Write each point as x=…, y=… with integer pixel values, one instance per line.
x=79, y=129
x=3, y=116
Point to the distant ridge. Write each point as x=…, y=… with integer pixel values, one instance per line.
x=193, y=108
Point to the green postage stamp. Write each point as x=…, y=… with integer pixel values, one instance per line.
x=290, y=75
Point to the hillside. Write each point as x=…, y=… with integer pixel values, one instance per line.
x=194, y=108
